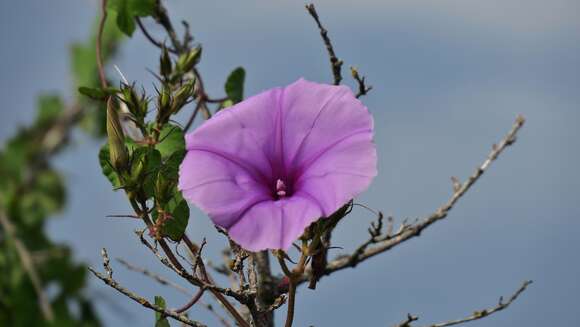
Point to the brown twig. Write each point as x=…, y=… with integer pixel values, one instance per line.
x=191, y=302
x=240, y=297
x=161, y=280
x=169, y=313
x=100, y=67
x=166, y=282
x=479, y=314
x=414, y=230
x=294, y=277
x=207, y=278
x=407, y=322
x=363, y=88
x=163, y=19
x=335, y=63
x=149, y=37
x=191, y=119
x=28, y=265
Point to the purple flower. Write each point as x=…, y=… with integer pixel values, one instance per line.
x=271, y=165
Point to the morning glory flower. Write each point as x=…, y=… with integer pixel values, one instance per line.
x=267, y=167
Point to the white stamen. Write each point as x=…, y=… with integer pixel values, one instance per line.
x=280, y=188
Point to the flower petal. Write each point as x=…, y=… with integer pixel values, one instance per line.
x=274, y=224
x=328, y=142
x=219, y=187
x=340, y=172
x=245, y=132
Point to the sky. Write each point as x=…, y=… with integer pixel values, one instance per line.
x=449, y=78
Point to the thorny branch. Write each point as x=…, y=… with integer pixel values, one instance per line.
x=160, y=279
x=166, y=282
x=363, y=88
x=240, y=297
x=149, y=36
x=479, y=314
x=384, y=242
x=335, y=63
x=108, y=279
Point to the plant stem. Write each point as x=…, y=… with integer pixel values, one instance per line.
x=98, y=45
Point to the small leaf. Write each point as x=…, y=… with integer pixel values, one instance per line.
x=93, y=93
x=160, y=321
x=97, y=93
x=171, y=139
x=127, y=10
x=142, y=8
x=235, y=85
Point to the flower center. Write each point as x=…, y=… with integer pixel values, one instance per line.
x=280, y=188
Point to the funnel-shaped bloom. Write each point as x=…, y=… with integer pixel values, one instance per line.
x=271, y=165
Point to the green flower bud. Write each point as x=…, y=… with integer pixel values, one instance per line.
x=117, y=150
x=164, y=99
x=165, y=63
x=181, y=96
x=188, y=60
x=163, y=105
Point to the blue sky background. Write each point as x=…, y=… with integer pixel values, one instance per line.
x=449, y=78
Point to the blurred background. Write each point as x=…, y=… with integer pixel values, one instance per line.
x=449, y=78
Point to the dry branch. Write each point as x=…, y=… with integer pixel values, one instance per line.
x=379, y=244
x=479, y=314
x=335, y=63
x=108, y=279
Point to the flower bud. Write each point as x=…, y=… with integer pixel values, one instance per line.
x=181, y=96
x=190, y=59
x=165, y=63
x=164, y=99
x=117, y=150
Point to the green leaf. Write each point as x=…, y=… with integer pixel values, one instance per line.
x=97, y=93
x=49, y=108
x=178, y=209
x=145, y=163
x=172, y=163
x=160, y=321
x=235, y=85
x=167, y=177
x=127, y=10
x=46, y=195
x=171, y=139
x=107, y=168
